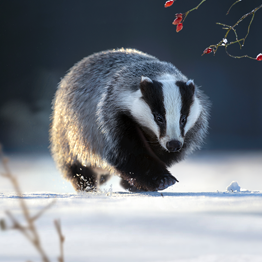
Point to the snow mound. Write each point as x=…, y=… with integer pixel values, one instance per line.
x=233, y=187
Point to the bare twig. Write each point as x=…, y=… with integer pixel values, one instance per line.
x=195, y=8
x=232, y=6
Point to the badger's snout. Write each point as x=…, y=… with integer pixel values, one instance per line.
x=174, y=146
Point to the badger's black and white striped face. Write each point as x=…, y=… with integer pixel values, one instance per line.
x=168, y=107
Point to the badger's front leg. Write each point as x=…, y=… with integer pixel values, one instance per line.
x=144, y=173
x=151, y=179
x=138, y=164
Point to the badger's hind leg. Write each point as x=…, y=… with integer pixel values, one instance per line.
x=82, y=178
x=86, y=178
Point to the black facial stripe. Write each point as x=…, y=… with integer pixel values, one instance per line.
x=187, y=96
x=154, y=97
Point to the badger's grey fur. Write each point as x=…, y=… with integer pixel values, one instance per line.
x=125, y=112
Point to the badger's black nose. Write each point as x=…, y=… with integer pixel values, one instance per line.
x=173, y=146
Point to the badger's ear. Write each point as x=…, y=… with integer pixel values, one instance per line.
x=145, y=78
x=190, y=84
x=145, y=83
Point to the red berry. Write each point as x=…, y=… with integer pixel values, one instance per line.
x=179, y=15
x=177, y=20
x=169, y=3
x=259, y=57
x=207, y=50
x=179, y=27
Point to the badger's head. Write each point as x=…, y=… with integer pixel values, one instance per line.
x=168, y=108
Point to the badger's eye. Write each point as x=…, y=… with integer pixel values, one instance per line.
x=183, y=120
x=159, y=119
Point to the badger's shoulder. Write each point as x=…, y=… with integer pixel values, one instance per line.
x=111, y=60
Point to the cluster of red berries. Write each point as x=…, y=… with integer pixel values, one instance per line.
x=179, y=17
x=178, y=22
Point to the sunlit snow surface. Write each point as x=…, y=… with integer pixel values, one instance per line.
x=196, y=220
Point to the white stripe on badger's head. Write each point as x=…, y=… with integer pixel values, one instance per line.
x=172, y=104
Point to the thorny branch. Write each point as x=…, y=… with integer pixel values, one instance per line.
x=30, y=230
x=180, y=18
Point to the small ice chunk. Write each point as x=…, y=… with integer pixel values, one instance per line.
x=233, y=187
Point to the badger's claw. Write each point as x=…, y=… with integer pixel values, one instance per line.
x=166, y=181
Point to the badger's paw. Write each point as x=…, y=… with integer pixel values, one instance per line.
x=165, y=181
x=149, y=183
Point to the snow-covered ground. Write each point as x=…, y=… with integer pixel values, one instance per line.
x=195, y=220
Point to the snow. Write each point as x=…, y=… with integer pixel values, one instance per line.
x=199, y=219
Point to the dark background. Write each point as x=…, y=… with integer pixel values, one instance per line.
x=41, y=40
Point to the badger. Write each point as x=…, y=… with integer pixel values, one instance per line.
x=125, y=112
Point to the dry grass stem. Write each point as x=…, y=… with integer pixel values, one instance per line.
x=61, y=239
x=29, y=230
